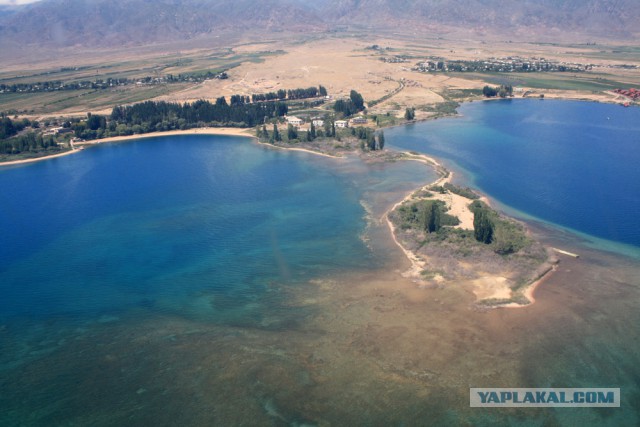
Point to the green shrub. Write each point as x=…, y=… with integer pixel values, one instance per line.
x=464, y=192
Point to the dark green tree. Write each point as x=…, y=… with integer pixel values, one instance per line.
x=482, y=225
x=431, y=216
x=7, y=128
x=292, y=132
x=489, y=92
x=410, y=114
x=276, y=134
x=95, y=122
x=381, y=140
x=312, y=132
x=357, y=100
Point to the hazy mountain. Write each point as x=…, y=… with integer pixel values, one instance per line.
x=603, y=18
x=108, y=22
x=131, y=22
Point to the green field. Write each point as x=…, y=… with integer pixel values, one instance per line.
x=192, y=64
x=85, y=100
x=562, y=81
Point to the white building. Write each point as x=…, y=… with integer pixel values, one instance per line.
x=318, y=123
x=358, y=121
x=341, y=124
x=293, y=120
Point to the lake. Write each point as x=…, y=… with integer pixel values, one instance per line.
x=208, y=280
x=570, y=164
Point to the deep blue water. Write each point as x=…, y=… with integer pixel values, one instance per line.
x=574, y=164
x=205, y=227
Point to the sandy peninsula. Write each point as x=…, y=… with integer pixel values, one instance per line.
x=489, y=286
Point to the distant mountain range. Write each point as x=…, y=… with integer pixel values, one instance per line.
x=99, y=23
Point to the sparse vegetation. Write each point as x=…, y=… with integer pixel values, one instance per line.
x=497, y=246
x=442, y=109
x=461, y=191
x=504, y=235
x=427, y=215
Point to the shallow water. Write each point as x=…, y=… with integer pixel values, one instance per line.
x=195, y=226
x=318, y=328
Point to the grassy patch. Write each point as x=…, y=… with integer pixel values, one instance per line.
x=465, y=192
x=81, y=100
x=384, y=120
x=588, y=82
x=508, y=236
x=458, y=94
x=447, y=108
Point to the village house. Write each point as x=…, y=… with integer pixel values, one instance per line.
x=318, y=122
x=341, y=124
x=293, y=120
x=358, y=121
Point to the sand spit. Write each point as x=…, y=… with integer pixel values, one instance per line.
x=37, y=159
x=489, y=286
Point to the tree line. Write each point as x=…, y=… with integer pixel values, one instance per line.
x=369, y=139
x=58, y=85
x=160, y=116
x=30, y=142
x=290, y=94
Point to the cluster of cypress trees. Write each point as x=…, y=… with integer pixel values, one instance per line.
x=351, y=106
x=369, y=138
x=483, y=225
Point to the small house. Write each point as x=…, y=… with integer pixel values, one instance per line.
x=293, y=120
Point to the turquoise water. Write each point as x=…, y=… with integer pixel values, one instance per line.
x=573, y=164
x=204, y=227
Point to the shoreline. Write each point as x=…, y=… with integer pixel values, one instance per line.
x=37, y=159
x=246, y=132
x=417, y=263
x=303, y=150
x=224, y=131
x=220, y=131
